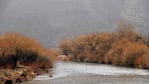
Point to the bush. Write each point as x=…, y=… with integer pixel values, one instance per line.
x=133, y=54
x=146, y=40
x=88, y=48
x=127, y=53
x=142, y=61
x=126, y=30
x=65, y=47
x=113, y=56
x=16, y=48
x=125, y=47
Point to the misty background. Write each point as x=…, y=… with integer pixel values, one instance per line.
x=50, y=20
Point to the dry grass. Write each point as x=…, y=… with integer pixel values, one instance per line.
x=16, y=48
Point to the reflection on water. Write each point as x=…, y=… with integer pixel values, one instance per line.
x=63, y=69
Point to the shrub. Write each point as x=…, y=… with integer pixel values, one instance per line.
x=142, y=61
x=89, y=48
x=133, y=53
x=127, y=53
x=16, y=48
x=146, y=40
x=65, y=47
x=125, y=47
x=113, y=56
x=126, y=30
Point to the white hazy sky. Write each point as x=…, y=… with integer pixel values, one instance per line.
x=50, y=20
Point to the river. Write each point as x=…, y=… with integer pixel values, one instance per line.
x=88, y=73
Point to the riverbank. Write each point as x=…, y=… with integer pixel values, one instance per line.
x=20, y=75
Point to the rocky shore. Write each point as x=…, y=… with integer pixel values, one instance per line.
x=18, y=75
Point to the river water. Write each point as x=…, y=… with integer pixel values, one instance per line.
x=86, y=73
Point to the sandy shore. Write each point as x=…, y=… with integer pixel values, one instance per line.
x=94, y=79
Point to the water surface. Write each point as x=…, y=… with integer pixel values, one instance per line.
x=86, y=73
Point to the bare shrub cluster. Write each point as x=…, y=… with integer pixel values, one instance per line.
x=88, y=48
x=16, y=50
x=125, y=47
x=128, y=53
